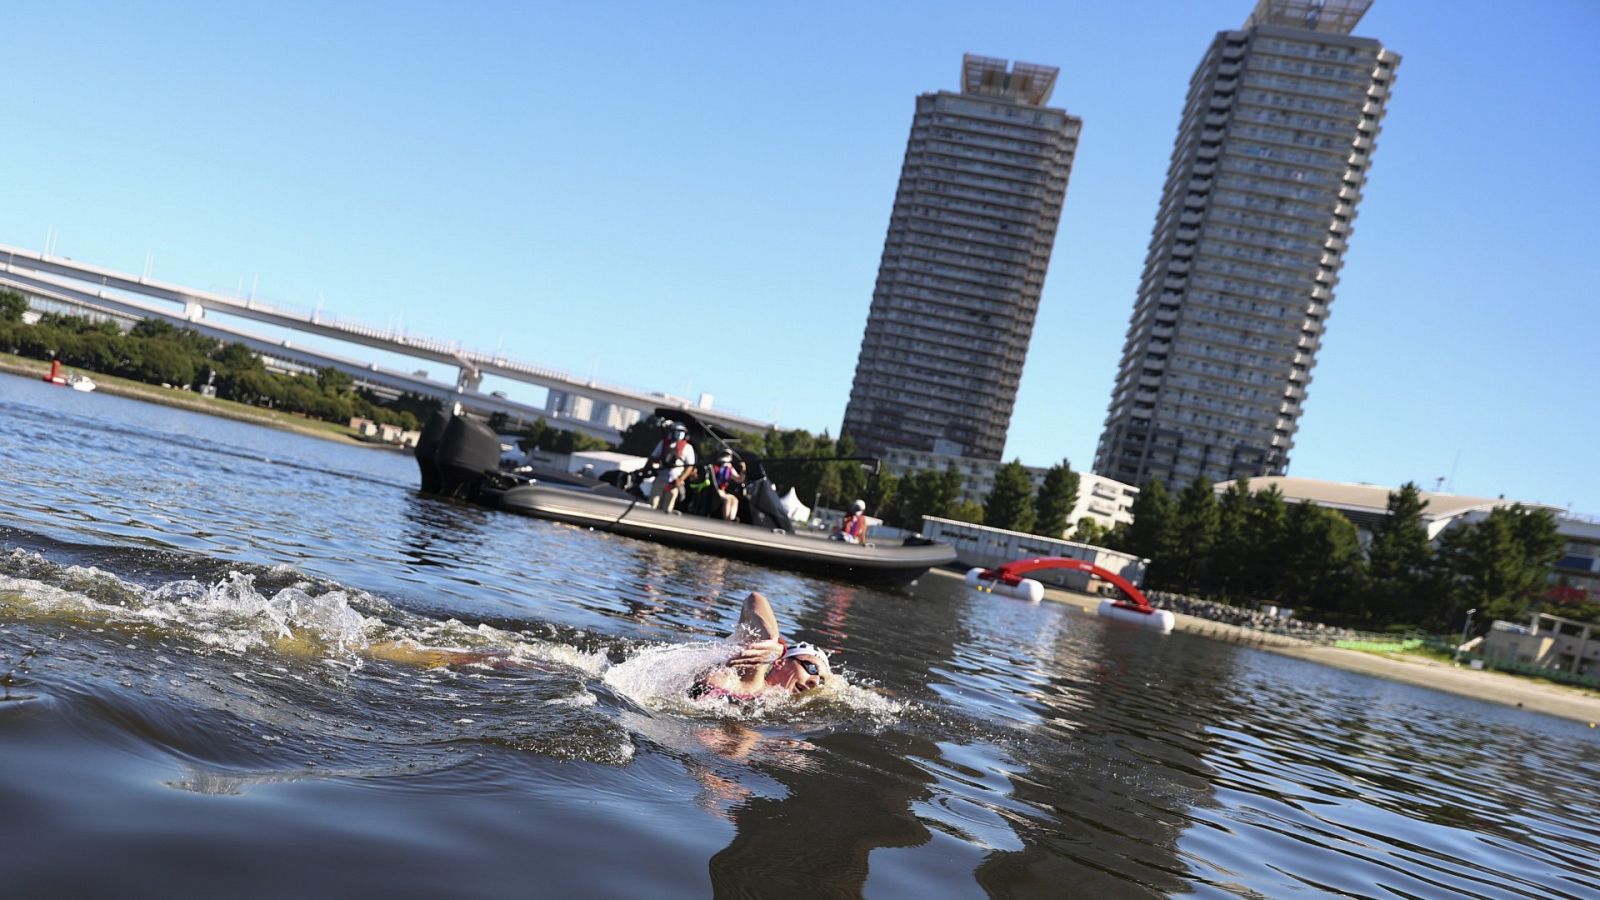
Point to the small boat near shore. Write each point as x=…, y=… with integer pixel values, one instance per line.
x=459, y=457
x=77, y=380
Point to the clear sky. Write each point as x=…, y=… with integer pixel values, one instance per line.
x=692, y=197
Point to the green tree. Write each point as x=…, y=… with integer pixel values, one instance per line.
x=1010, y=502
x=1399, y=561
x=1320, y=556
x=12, y=306
x=967, y=511
x=1153, y=531
x=1057, y=496
x=1195, y=531
x=1261, y=575
x=1232, y=552
x=1497, y=565
x=928, y=493
x=1090, y=531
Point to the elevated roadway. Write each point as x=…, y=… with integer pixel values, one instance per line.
x=472, y=365
x=362, y=371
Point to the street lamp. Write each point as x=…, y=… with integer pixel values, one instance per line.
x=1464, y=628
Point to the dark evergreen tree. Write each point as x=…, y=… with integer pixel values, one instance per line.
x=1152, y=532
x=1195, y=532
x=1399, y=562
x=1233, y=551
x=1057, y=496
x=1010, y=503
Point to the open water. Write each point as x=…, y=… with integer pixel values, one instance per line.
x=218, y=677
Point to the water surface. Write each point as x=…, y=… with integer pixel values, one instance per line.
x=217, y=675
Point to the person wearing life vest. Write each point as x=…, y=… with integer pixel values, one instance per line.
x=672, y=459
x=853, y=530
x=725, y=476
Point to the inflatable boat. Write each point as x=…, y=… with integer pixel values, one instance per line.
x=459, y=457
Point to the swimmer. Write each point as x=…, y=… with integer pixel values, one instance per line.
x=765, y=661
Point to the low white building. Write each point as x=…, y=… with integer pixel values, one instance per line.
x=1102, y=499
x=985, y=547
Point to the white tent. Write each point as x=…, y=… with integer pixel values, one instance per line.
x=798, y=512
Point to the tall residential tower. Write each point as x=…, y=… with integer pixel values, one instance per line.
x=964, y=262
x=1271, y=156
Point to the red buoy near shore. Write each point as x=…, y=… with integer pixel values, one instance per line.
x=55, y=373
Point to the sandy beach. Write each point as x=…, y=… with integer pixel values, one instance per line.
x=1545, y=697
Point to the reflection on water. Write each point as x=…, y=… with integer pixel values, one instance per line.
x=260, y=662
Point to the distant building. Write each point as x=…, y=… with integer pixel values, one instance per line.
x=1106, y=501
x=1271, y=156
x=1546, y=642
x=963, y=264
x=564, y=405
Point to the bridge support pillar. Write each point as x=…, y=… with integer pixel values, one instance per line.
x=193, y=311
x=469, y=379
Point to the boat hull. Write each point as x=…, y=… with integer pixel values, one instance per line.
x=872, y=562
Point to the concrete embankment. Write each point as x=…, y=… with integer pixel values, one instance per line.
x=1497, y=687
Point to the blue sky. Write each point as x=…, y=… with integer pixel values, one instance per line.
x=693, y=197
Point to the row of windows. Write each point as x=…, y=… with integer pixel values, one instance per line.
x=1008, y=213
x=1312, y=216
x=940, y=276
x=1024, y=153
x=1220, y=386
x=1215, y=266
x=1009, y=199
x=1249, y=339
x=1333, y=52
x=1356, y=94
x=970, y=242
x=1275, y=188
x=1031, y=182
x=1013, y=271
x=1288, y=136
x=1261, y=361
x=1267, y=255
x=1362, y=75
x=1010, y=119
x=1227, y=208
x=1347, y=110
x=1321, y=178
x=957, y=146
x=1255, y=106
x=1001, y=232
x=1246, y=288
x=1258, y=237
x=959, y=130
x=1279, y=153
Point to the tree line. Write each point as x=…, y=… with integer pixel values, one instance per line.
x=154, y=351
x=1252, y=546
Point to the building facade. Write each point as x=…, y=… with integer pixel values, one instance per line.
x=963, y=265
x=1102, y=499
x=1268, y=167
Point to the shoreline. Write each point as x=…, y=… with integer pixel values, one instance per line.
x=186, y=400
x=1573, y=703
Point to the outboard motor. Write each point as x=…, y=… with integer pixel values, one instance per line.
x=428, y=449
x=467, y=449
x=766, y=510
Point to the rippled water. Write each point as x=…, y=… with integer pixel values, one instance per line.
x=238, y=662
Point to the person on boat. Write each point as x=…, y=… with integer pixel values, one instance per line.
x=671, y=459
x=765, y=661
x=725, y=479
x=853, y=529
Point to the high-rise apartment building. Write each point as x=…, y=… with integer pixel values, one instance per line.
x=964, y=262
x=1270, y=160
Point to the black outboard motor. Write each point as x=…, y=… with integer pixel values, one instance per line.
x=761, y=499
x=467, y=449
x=428, y=449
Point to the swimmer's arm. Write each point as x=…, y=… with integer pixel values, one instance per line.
x=756, y=653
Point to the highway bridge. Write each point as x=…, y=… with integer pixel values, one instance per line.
x=82, y=284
